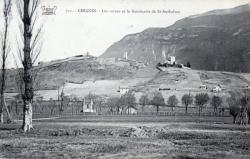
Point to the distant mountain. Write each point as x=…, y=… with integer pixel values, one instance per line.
x=215, y=40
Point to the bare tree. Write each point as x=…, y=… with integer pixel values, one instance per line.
x=187, y=100
x=200, y=100
x=234, y=107
x=144, y=101
x=128, y=99
x=172, y=102
x=28, y=11
x=248, y=111
x=114, y=105
x=158, y=101
x=216, y=102
x=99, y=104
x=243, y=116
x=5, y=51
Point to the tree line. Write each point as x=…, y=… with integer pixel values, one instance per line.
x=238, y=106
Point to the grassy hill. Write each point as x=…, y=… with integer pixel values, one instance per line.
x=52, y=74
x=104, y=77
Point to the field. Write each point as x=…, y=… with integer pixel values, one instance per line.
x=127, y=137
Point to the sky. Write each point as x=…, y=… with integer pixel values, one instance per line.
x=69, y=32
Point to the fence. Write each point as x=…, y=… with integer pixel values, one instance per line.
x=55, y=108
x=44, y=109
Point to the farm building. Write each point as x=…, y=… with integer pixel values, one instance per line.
x=171, y=60
x=218, y=88
x=204, y=87
x=131, y=110
x=88, y=107
x=125, y=56
x=123, y=90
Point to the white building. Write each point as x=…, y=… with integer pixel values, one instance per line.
x=131, y=110
x=171, y=59
x=123, y=90
x=125, y=56
x=218, y=88
x=88, y=107
x=203, y=87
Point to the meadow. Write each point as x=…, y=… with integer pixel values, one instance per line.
x=127, y=136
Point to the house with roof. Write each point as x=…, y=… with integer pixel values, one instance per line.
x=88, y=106
x=217, y=88
x=123, y=90
x=131, y=110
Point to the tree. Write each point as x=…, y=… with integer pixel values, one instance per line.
x=234, y=108
x=129, y=100
x=188, y=64
x=4, y=54
x=200, y=100
x=144, y=101
x=172, y=102
x=51, y=105
x=216, y=102
x=99, y=103
x=113, y=105
x=248, y=111
x=61, y=105
x=92, y=97
x=243, y=116
x=158, y=101
x=116, y=104
x=17, y=99
x=187, y=100
x=31, y=42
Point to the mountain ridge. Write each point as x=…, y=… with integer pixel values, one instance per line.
x=211, y=35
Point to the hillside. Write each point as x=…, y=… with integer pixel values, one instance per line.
x=75, y=70
x=175, y=81
x=103, y=76
x=216, y=40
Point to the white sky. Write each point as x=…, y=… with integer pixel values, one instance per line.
x=69, y=34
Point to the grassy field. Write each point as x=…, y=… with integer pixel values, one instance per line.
x=127, y=137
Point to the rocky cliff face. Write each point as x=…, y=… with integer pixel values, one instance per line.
x=216, y=40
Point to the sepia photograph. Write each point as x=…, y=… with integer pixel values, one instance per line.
x=124, y=79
